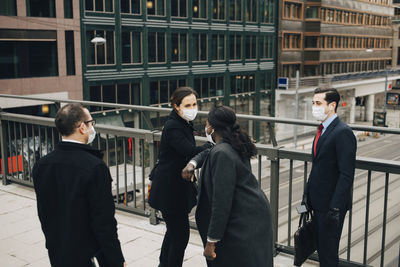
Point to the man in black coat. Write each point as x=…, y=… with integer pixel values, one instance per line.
x=74, y=200
x=329, y=188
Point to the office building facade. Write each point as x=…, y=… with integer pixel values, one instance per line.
x=225, y=50
x=338, y=43
x=40, y=50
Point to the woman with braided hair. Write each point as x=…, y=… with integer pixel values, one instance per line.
x=233, y=214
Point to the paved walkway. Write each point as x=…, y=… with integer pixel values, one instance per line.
x=22, y=240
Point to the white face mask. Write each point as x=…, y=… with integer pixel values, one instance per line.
x=189, y=114
x=319, y=113
x=209, y=136
x=92, y=135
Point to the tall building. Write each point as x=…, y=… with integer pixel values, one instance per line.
x=225, y=50
x=40, y=51
x=339, y=43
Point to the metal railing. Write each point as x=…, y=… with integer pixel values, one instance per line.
x=130, y=153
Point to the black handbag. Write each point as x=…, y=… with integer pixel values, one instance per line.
x=305, y=239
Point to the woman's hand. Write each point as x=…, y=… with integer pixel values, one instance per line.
x=188, y=172
x=209, y=251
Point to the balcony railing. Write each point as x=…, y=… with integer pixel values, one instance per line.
x=130, y=154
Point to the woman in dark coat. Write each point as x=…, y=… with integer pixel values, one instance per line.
x=233, y=214
x=170, y=194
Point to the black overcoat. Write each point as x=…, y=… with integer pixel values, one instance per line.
x=232, y=208
x=169, y=191
x=76, y=207
x=332, y=173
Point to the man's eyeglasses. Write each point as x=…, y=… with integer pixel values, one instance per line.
x=93, y=121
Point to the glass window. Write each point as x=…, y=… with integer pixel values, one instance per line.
x=130, y=6
x=161, y=91
x=68, y=9
x=100, y=5
x=312, y=12
x=200, y=9
x=101, y=53
x=70, y=52
x=131, y=47
x=40, y=8
x=219, y=9
x=20, y=59
x=235, y=47
x=251, y=47
x=156, y=7
x=178, y=8
x=200, y=47
x=267, y=46
x=218, y=47
x=267, y=10
x=179, y=46
x=235, y=10
x=311, y=42
x=8, y=8
x=156, y=46
x=251, y=10
x=292, y=41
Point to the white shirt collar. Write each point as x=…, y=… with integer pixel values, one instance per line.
x=71, y=141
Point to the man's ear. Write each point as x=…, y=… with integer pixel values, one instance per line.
x=82, y=128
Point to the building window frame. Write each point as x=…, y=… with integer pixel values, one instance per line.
x=288, y=10
x=155, y=5
x=105, y=47
x=201, y=9
x=179, y=9
x=218, y=11
x=157, y=50
x=182, y=56
x=201, y=41
x=235, y=44
x=132, y=35
x=235, y=10
x=217, y=50
x=290, y=38
x=106, y=7
x=131, y=8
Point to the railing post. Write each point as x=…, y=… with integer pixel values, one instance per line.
x=274, y=194
x=153, y=157
x=4, y=145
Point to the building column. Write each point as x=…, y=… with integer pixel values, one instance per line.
x=369, y=107
x=352, y=116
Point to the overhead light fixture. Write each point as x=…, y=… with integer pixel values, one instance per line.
x=98, y=40
x=195, y=9
x=150, y=4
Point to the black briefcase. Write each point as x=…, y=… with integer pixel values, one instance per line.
x=305, y=239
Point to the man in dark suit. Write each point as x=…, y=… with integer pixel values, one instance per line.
x=329, y=188
x=74, y=200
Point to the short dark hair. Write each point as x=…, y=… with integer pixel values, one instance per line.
x=68, y=118
x=331, y=95
x=180, y=93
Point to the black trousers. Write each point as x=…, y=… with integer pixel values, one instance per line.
x=175, y=240
x=328, y=238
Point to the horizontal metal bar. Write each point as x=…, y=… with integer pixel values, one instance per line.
x=204, y=113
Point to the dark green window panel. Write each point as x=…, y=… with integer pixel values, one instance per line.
x=8, y=8
x=218, y=47
x=155, y=7
x=131, y=47
x=130, y=6
x=200, y=9
x=235, y=10
x=218, y=10
x=251, y=10
x=199, y=46
x=99, y=5
x=179, y=8
x=235, y=47
x=156, y=47
x=100, y=54
x=179, y=47
x=68, y=9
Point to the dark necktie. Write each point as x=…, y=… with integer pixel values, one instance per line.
x=320, y=127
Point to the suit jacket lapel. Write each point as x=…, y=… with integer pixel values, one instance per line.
x=325, y=135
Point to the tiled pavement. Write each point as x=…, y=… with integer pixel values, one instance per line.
x=22, y=240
